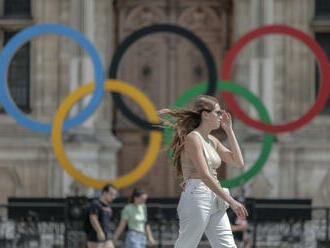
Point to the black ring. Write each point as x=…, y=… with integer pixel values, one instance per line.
x=155, y=29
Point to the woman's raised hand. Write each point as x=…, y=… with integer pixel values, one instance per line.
x=226, y=122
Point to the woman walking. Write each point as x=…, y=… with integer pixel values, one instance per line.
x=196, y=156
x=134, y=215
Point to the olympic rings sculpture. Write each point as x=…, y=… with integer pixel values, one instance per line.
x=118, y=87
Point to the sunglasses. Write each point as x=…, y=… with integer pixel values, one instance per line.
x=218, y=112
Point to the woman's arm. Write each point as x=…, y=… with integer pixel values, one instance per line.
x=119, y=230
x=149, y=235
x=234, y=156
x=194, y=150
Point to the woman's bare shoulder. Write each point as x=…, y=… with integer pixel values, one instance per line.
x=192, y=137
x=192, y=144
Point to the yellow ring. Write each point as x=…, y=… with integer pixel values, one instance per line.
x=147, y=161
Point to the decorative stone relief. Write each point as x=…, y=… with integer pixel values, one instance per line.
x=143, y=16
x=199, y=18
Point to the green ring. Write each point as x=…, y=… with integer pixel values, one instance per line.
x=263, y=114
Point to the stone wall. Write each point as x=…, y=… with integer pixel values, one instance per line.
x=281, y=71
x=59, y=66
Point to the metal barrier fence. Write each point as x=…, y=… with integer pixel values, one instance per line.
x=295, y=234
x=29, y=232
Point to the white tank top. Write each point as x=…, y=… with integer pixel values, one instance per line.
x=212, y=158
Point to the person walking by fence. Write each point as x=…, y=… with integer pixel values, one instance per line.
x=134, y=215
x=97, y=224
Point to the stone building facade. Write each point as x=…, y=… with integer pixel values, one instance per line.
x=56, y=66
x=283, y=73
x=280, y=70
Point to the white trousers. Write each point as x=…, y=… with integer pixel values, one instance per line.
x=198, y=213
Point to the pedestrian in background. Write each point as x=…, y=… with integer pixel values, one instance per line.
x=97, y=224
x=134, y=215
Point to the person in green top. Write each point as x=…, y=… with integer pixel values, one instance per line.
x=134, y=215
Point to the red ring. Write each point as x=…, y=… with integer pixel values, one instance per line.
x=320, y=57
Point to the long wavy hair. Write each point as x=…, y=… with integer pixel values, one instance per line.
x=185, y=120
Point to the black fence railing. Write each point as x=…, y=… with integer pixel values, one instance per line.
x=58, y=223
x=293, y=233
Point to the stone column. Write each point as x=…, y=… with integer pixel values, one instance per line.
x=261, y=64
x=267, y=79
x=87, y=69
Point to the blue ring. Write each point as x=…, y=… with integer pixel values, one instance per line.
x=22, y=37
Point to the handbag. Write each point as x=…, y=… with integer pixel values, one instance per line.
x=221, y=203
